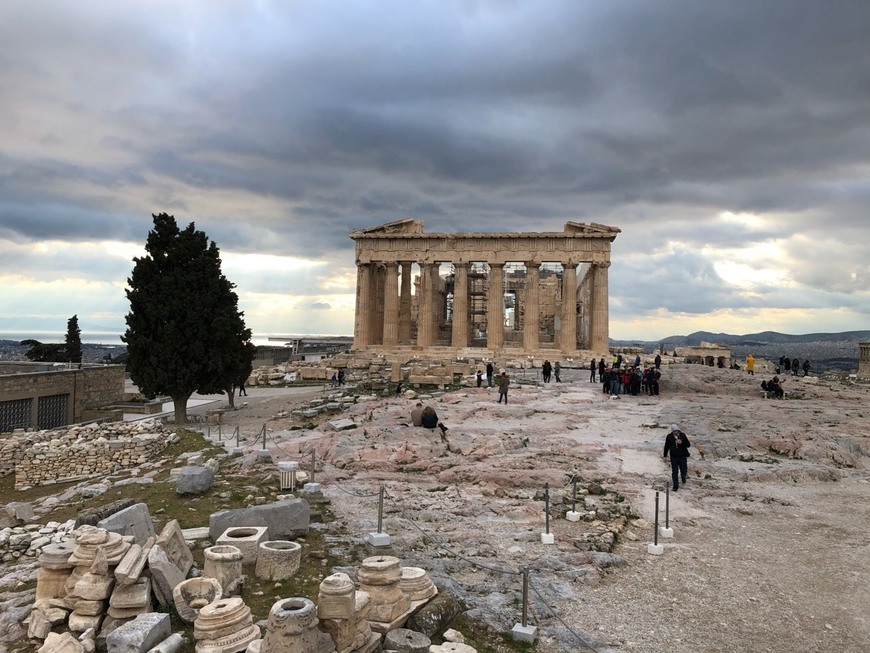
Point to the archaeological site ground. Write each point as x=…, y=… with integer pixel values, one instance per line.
x=768, y=553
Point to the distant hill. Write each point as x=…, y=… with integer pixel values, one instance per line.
x=764, y=338
x=825, y=351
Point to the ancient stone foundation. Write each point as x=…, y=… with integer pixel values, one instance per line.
x=80, y=451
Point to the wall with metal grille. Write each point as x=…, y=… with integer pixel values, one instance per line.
x=15, y=414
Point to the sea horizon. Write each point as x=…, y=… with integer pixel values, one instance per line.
x=108, y=338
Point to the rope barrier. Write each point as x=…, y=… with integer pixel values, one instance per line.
x=431, y=539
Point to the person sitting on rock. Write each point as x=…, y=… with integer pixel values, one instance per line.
x=430, y=420
x=417, y=415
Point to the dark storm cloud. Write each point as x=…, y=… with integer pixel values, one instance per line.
x=280, y=127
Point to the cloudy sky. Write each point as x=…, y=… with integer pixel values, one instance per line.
x=730, y=141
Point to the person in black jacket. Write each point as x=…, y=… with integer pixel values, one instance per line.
x=677, y=445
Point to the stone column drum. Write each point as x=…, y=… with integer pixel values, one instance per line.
x=54, y=570
x=343, y=613
x=278, y=559
x=224, y=563
x=416, y=584
x=380, y=577
x=224, y=626
x=292, y=628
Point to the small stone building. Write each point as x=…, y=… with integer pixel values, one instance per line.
x=36, y=395
x=707, y=353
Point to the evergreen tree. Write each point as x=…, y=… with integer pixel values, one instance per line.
x=44, y=352
x=185, y=333
x=73, y=340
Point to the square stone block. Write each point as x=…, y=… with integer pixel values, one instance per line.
x=246, y=539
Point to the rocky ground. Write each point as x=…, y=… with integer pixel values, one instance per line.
x=769, y=550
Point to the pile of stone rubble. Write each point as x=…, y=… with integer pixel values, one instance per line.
x=109, y=589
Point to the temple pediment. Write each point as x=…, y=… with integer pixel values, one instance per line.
x=404, y=226
x=591, y=229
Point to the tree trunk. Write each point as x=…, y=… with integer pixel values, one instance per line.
x=231, y=396
x=181, y=409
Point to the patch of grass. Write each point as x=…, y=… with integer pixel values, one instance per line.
x=484, y=640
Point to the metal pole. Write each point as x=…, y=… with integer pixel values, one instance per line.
x=547, y=507
x=656, y=526
x=208, y=425
x=574, y=499
x=264, y=436
x=381, y=510
x=237, y=436
x=220, y=430
x=667, y=503
x=312, y=469
x=525, y=573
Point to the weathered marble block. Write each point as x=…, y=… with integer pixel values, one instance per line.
x=224, y=626
x=193, y=594
x=292, y=628
x=224, y=563
x=278, y=559
x=380, y=577
x=171, y=539
x=246, y=539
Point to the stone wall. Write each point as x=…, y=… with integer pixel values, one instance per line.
x=80, y=451
x=85, y=389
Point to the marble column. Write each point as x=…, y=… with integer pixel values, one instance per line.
x=568, y=329
x=460, y=306
x=532, y=307
x=424, y=306
x=438, y=303
x=377, y=313
x=405, y=305
x=600, y=328
x=363, y=305
x=495, y=304
x=391, y=305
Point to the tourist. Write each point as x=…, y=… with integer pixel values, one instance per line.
x=787, y=364
x=750, y=364
x=654, y=382
x=546, y=370
x=489, y=373
x=677, y=445
x=429, y=420
x=614, y=381
x=244, y=393
x=795, y=367
x=775, y=389
x=479, y=378
x=658, y=361
x=503, y=383
x=417, y=415
x=806, y=370
x=341, y=376
x=637, y=360
x=558, y=371
x=601, y=367
x=592, y=367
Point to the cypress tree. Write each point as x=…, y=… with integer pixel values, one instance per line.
x=185, y=333
x=73, y=340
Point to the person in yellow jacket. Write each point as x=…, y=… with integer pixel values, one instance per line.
x=750, y=364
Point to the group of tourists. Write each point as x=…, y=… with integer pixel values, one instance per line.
x=792, y=367
x=773, y=388
x=626, y=380
x=503, y=380
x=548, y=370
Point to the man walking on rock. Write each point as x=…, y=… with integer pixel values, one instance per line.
x=677, y=445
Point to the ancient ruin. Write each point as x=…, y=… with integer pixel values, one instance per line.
x=864, y=360
x=525, y=292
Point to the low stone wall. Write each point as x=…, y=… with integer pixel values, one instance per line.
x=81, y=451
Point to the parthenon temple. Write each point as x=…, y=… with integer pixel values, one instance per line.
x=529, y=292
